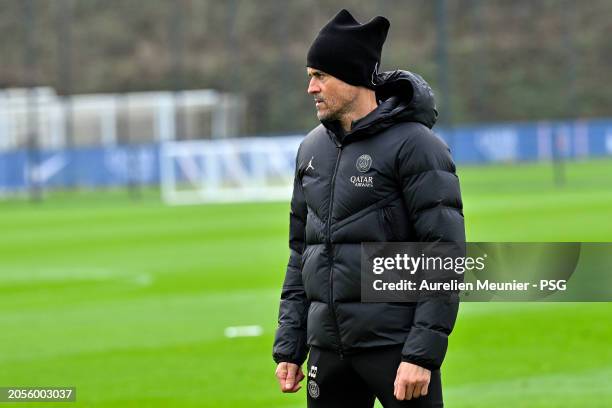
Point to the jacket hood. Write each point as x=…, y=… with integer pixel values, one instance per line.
x=402, y=96
x=415, y=99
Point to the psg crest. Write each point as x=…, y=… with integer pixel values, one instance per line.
x=364, y=162
x=313, y=389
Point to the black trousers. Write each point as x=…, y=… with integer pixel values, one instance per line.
x=356, y=380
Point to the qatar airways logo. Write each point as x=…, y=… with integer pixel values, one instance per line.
x=362, y=181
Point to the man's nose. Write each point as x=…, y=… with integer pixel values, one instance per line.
x=313, y=87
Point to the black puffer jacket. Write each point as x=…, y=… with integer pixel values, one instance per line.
x=388, y=179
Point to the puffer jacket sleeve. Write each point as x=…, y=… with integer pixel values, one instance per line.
x=431, y=194
x=290, y=341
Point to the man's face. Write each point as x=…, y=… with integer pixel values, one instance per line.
x=333, y=98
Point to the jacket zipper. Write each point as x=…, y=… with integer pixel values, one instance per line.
x=329, y=246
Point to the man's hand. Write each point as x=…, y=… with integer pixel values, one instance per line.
x=411, y=381
x=289, y=376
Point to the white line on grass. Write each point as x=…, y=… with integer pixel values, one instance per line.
x=243, y=331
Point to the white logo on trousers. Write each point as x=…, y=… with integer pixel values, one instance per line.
x=313, y=372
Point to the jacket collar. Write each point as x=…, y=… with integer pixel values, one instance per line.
x=403, y=97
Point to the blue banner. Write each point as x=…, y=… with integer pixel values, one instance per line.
x=140, y=164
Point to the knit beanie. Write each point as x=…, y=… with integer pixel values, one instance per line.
x=348, y=50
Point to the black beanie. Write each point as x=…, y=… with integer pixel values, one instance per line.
x=348, y=50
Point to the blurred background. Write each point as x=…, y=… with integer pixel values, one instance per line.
x=114, y=114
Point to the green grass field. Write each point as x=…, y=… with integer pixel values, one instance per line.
x=128, y=301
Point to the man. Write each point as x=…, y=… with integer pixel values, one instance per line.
x=373, y=171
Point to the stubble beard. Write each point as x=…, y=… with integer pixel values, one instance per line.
x=337, y=114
